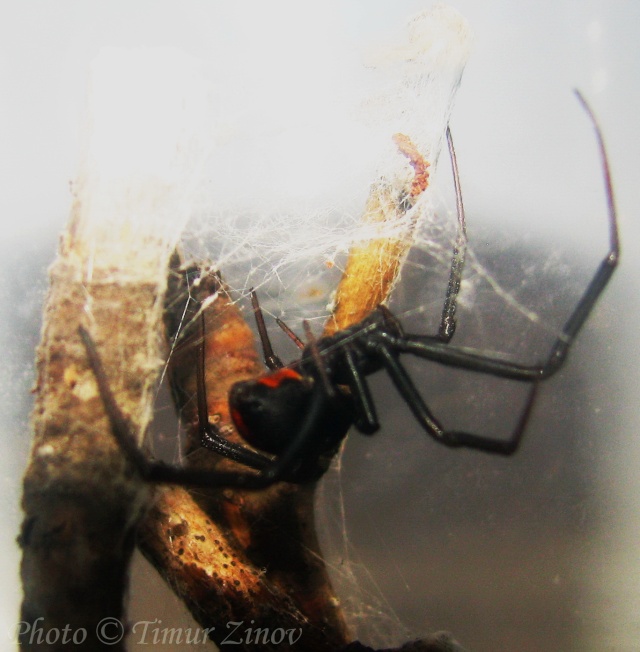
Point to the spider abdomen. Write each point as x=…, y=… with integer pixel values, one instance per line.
x=269, y=411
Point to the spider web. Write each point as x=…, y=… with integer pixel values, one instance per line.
x=289, y=187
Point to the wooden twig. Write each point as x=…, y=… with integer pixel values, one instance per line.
x=80, y=499
x=373, y=266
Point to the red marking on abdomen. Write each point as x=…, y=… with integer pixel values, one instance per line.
x=275, y=378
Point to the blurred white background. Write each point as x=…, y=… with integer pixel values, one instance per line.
x=535, y=553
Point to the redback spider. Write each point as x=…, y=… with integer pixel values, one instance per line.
x=297, y=414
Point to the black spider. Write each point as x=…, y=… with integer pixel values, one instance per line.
x=298, y=414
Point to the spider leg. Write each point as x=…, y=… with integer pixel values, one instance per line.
x=475, y=360
x=410, y=394
x=272, y=361
x=430, y=348
x=280, y=468
x=433, y=349
x=287, y=460
x=211, y=439
x=447, y=320
x=210, y=436
x=157, y=471
x=120, y=425
x=451, y=438
x=367, y=417
x=292, y=336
